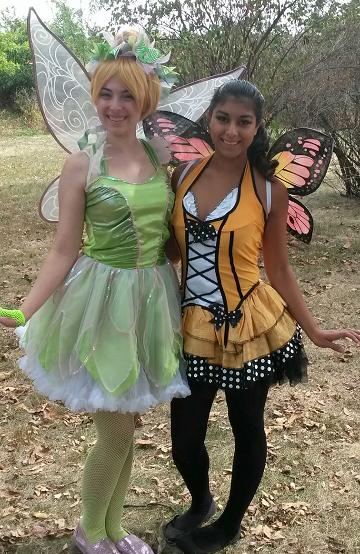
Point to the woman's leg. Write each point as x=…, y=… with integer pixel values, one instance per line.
x=114, y=529
x=246, y=415
x=189, y=419
x=103, y=470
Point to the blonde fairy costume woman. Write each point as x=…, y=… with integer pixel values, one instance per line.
x=102, y=329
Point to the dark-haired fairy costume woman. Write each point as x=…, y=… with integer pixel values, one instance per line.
x=240, y=333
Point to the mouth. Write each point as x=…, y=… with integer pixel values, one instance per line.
x=230, y=142
x=116, y=120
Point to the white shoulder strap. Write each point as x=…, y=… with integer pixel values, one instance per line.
x=268, y=197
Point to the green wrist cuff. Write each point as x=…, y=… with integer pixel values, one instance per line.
x=16, y=315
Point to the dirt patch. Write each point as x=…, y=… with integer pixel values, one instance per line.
x=309, y=500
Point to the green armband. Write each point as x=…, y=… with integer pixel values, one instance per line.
x=16, y=315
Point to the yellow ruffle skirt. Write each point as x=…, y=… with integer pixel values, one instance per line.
x=265, y=326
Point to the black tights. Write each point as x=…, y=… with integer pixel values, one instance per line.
x=189, y=419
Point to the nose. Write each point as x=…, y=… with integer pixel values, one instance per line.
x=116, y=104
x=231, y=130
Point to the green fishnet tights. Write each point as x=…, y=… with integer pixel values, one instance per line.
x=106, y=476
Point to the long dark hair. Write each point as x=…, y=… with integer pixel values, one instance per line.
x=259, y=147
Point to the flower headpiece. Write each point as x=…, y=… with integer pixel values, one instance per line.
x=134, y=42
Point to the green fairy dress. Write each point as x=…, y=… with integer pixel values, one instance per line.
x=109, y=337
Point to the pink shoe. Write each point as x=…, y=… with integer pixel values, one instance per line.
x=133, y=545
x=104, y=546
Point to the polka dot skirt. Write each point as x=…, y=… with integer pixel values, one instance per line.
x=289, y=362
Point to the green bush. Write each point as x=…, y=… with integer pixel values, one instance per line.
x=15, y=65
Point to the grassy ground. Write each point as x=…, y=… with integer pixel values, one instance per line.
x=309, y=500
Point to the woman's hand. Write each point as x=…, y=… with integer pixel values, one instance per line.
x=8, y=322
x=327, y=339
x=12, y=318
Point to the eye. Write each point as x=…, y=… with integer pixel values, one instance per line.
x=104, y=94
x=221, y=118
x=127, y=96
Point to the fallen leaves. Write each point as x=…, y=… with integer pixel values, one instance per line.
x=5, y=375
x=40, y=515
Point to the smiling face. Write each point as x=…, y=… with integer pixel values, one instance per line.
x=233, y=126
x=117, y=109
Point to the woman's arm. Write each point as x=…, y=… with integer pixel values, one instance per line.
x=171, y=247
x=283, y=279
x=68, y=237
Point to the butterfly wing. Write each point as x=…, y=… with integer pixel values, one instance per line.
x=62, y=86
x=303, y=157
x=192, y=101
x=63, y=92
x=186, y=140
x=49, y=202
x=299, y=220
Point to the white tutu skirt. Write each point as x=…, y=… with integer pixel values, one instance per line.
x=108, y=339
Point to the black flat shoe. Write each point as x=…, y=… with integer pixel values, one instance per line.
x=171, y=532
x=189, y=546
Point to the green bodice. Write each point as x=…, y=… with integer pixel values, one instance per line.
x=127, y=225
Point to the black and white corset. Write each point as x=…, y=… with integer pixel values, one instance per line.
x=201, y=285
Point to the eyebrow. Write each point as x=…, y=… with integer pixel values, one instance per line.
x=250, y=115
x=125, y=91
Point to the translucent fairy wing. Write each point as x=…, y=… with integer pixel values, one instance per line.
x=62, y=85
x=303, y=157
x=49, y=202
x=299, y=220
x=186, y=140
x=192, y=101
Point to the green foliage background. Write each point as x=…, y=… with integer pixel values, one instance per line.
x=16, y=75
x=304, y=55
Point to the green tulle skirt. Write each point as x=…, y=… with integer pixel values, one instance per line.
x=108, y=339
